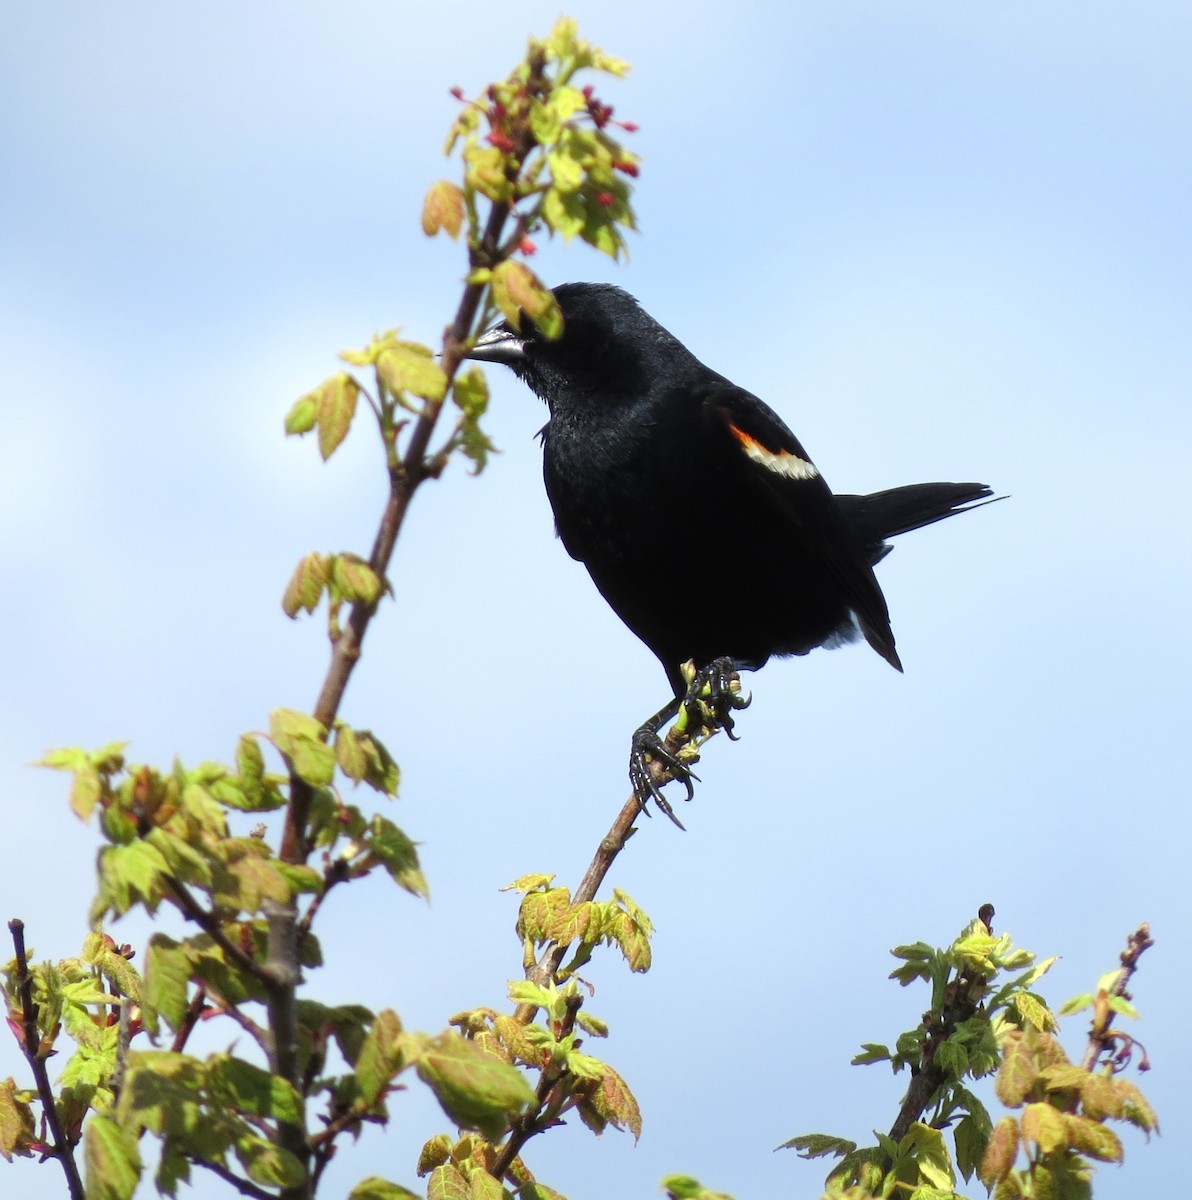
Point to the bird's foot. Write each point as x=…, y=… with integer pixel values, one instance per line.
x=713, y=694
x=652, y=764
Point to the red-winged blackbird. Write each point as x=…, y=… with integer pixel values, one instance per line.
x=700, y=517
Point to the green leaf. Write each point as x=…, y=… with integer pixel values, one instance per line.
x=301, y=739
x=384, y=1054
x=303, y=414
x=475, y=1089
x=354, y=580
x=349, y=753
x=485, y=172
x=518, y=1040
x=443, y=208
x=16, y=1121
x=397, y=854
x=1123, y=1007
x=306, y=585
x=376, y=1188
x=111, y=1159
x=517, y=291
x=818, y=1145
x=1094, y=1139
x=538, y=1191
x=1063, y=1077
x=1034, y=1011
x=249, y=877
x=1076, y=1004
x=610, y=1100
x=910, y=972
x=871, y=1052
x=133, y=872
x=244, y=1088
x=931, y=1157
x=1017, y=1074
x=628, y=937
x=411, y=367
x=683, y=1187
x=528, y=883
x=917, y=952
x=86, y=789
x=268, y=1164
x=447, y=1183
x=525, y=991
x=1100, y=1097
x=336, y=403
x=971, y=1141
x=469, y=390
x=1044, y=1125
x=482, y=1186
x=167, y=978
x=1134, y=1106
x=434, y=1153
x=591, y=1025
x=540, y=912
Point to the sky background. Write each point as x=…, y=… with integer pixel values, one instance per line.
x=943, y=240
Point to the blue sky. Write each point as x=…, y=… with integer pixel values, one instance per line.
x=943, y=240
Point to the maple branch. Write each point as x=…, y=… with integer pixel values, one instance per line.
x=31, y=1045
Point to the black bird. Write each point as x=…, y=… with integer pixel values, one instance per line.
x=700, y=517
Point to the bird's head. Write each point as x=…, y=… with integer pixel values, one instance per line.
x=607, y=346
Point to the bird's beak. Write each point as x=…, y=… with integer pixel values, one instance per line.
x=499, y=345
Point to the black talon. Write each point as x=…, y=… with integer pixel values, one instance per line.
x=647, y=744
x=703, y=713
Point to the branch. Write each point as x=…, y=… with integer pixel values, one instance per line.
x=405, y=475
x=613, y=842
x=243, y=1186
x=961, y=1001
x=544, y=1112
x=210, y=925
x=1100, y=1039
x=194, y=1013
x=30, y=1040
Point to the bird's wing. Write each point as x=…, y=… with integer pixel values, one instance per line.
x=784, y=472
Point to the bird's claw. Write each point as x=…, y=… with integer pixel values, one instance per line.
x=647, y=746
x=723, y=685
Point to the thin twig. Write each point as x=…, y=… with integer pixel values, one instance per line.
x=60, y=1148
x=1100, y=1039
x=610, y=846
x=194, y=1013
x=223, y=1008
x=211, y=926
x=337, y=873
x=243, y=1186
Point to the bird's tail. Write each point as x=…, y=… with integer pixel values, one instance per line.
x=882, y=515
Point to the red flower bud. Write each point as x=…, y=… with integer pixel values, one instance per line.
x=605, y=199
x=527, y=247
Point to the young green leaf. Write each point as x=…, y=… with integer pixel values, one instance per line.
x=112, y=1161
x=306, y=585
x=1001, y=1152
x=336, y=403
x=17, y=1135
x=443, y=208
x=476, y=1090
